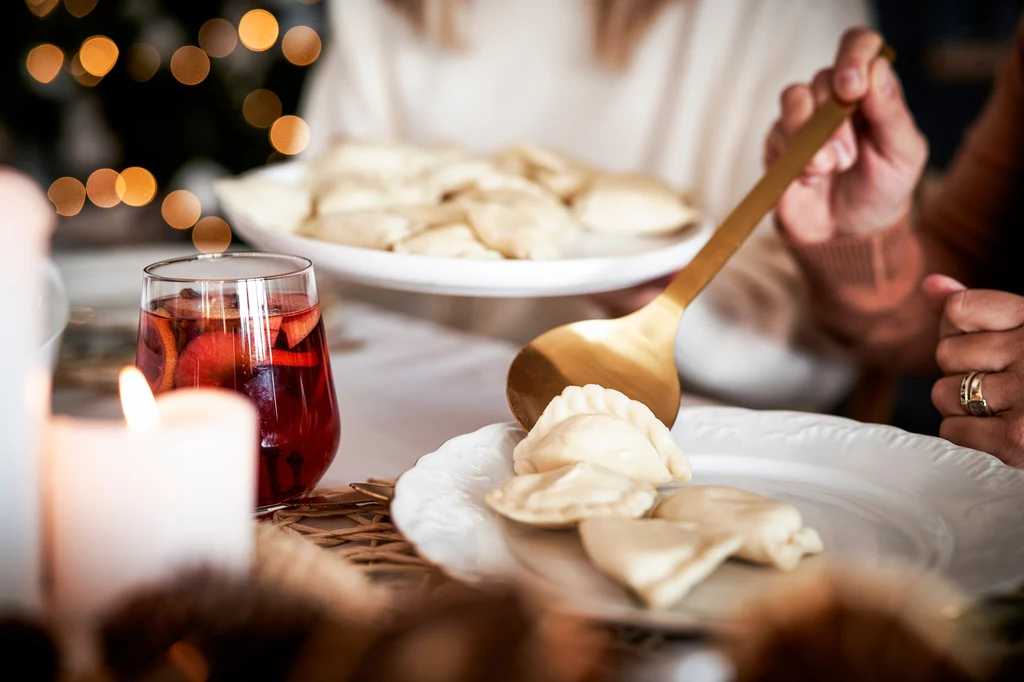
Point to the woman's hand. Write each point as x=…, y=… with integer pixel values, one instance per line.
x=980, y=331
x=863, y=179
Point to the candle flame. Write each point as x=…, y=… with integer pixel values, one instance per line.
x=140, y=410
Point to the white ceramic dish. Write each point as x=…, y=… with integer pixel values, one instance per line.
x=878, y=496
x=593, y=263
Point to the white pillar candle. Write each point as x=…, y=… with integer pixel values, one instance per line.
x=130, y=504
x=26, y=220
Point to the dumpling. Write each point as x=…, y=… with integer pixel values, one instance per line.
x=547, y=214
x=659, y=560
x=449, y=241
x=456, y=177
x=564, y=497
x=633, y=205
x=510, y=231
x=365, y=229
x=560, y=175
x=354, y=193
x=379, y=160
x=600, y=425
x=282, y=207
x=773, y=532
x=432, y=215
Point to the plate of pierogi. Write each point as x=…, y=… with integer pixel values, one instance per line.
x=616, y=517
x=525, y=222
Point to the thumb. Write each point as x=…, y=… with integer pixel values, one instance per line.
x=937, y=288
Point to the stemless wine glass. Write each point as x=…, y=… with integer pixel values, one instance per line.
x=248, y=322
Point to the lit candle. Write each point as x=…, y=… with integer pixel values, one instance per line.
x=26, y=220
x=131, y=503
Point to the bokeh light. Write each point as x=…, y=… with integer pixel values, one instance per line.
x=44, y=62
x=276, y=157
x=41, y=8
x=258, y=30
x=211, y=235
x=190, y=65
x=218, y=37
x=261, y=108
x=79, y=8
x=289, y=135
x=181, y=209
x=98, y=55
x=143, y=62
x=67, y=195
x=301, y=45
x=105, y=187
x=139, y=186
x=79, y=72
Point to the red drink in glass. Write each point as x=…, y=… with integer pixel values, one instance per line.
x=257, y=331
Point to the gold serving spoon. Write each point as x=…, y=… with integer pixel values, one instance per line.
x=635, y=354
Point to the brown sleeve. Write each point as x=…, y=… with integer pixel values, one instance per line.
x=865, y=289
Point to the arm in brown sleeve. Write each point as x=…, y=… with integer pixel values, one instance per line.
x=865, y=289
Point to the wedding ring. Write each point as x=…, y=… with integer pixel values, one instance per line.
x=971, y=398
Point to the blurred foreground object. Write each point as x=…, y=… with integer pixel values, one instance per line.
x=840, y=627
x=204, y=626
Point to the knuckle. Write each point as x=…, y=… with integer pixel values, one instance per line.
x=937, y=394
x=955, y=305
x=945, y=354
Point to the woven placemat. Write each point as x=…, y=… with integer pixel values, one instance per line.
x=358, y=526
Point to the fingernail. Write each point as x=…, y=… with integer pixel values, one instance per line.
x=820, y=160
x=848, y=80
x=843, y=155
x=885, y=79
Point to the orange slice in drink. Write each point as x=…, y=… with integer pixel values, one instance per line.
x=297, y=327
x=158, y=338
x=211, y=359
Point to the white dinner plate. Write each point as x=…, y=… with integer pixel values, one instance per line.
x=879, y=497
x=593, y=263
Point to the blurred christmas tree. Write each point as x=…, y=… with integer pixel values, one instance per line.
x=116, y=104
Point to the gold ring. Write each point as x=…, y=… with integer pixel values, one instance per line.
x=971, y=398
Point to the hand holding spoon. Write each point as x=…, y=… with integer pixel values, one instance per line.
x=635, y=354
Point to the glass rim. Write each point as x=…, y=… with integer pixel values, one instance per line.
x=304, y=266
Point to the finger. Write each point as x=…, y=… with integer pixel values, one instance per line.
x=979, y=351
x=987, y=434
x=798, y=105
x=891, y=126
x=844, y=143
x=937, y=288
x=1002, y=391
x=983, y=310
x=775, y=144
x=857, y=48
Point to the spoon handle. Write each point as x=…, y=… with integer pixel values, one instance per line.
x=735, y=229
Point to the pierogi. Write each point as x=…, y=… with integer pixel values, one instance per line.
x=563, y=497
x=283, y=207
x=602, y=426
x=773, y=532
x=448, y=241
x=658, y=560
x=632, y=205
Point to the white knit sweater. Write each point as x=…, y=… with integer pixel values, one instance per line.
x=694, y=107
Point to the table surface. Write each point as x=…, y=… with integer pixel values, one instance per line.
x=404, y=386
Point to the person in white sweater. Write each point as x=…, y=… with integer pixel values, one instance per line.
x=684, y=89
